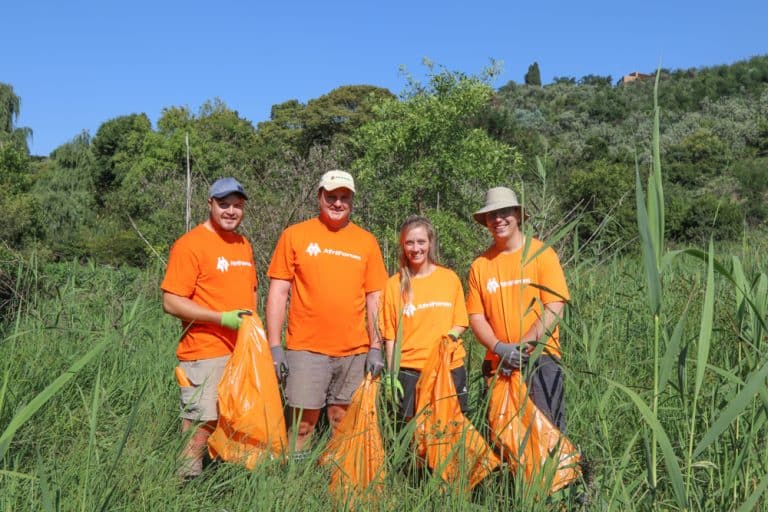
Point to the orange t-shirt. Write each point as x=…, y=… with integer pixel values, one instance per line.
x=331, y=273
x=217, y=271
x=437, y=305
x=511, y=295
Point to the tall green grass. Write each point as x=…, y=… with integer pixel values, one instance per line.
x=107, y=438
x=702, y=409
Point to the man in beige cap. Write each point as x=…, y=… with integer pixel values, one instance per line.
x=517, y=293
x=334, y=273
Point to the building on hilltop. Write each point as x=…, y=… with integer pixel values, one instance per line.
x=634, y=76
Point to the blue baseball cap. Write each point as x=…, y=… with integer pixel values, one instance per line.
x=225, y=186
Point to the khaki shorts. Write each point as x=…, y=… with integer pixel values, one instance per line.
x=199, y=401
x=315, y=380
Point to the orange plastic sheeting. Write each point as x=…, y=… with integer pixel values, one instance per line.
x=445, y=438
x=355, y=453
x=527, y=439
x=251, y=423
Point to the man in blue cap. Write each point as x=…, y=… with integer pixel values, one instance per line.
x=209, y=284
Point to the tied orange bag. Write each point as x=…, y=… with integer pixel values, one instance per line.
x=526, y=437
x=251, y=423
x=355, y=453
x=445, y=438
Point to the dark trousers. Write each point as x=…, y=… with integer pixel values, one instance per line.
x=409, y=377
x=545, y=386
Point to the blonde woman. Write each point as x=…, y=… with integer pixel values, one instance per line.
x=426, y=300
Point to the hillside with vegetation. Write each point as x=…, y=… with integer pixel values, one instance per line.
x=446, y=140
x=652, y=191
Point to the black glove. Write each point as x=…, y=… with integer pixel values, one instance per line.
x=280, y=363
x=512, y=358
x=374, y=362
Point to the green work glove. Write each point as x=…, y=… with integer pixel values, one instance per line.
x=233, y=319
x=393, y=388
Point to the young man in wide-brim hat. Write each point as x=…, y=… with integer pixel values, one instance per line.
x=517, y=292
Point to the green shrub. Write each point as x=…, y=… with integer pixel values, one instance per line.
x=709, y=215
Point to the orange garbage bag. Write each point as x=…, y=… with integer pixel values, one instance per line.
x=251, y=423
x=445, y=438
x=355, y=452
x=526, y=437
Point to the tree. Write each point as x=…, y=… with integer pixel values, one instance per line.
x=10, y=108
x=66, y=187
x=753, y=187
x=698, y=158
x=596, y=80
x=325, y=121
x=533, y=76
x=566, y=80
x=116, y=144
x=333, y=117
x=21, y=209
x=426, y=154
x=602, y=191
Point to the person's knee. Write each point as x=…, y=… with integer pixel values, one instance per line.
x=304, y=422
x=336, y=414
x=305, y=429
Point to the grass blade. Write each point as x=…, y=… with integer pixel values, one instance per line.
x=670, y=459
x=751, y=503
x=46, y=394
x=707, y=317
x=647, y=248
x=673, y=350
x=735, y=407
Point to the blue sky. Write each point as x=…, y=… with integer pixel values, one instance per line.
x=76, y=64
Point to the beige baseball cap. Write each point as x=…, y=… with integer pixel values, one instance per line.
x=332, y=180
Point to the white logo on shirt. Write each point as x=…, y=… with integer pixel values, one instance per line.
x=222, y=265
x=313, y=249
x=494, y=285
x=409, y=309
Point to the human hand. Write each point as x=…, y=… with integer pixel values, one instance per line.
x=233, y=319
x=280, y=363
x=374, y=362
x=393, y=388
x=512, y=358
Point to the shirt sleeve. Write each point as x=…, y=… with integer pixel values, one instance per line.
x=551, y=278
x=182, y=270
x=254, y=273
x=388, y=317
x=459, y=305
x=283, y=259
x=474, y=297
x=375, y=272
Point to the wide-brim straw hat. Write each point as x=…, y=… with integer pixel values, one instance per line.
x=498, y=198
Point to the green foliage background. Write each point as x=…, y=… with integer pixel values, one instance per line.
x=435, y=148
